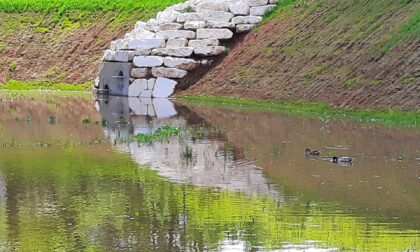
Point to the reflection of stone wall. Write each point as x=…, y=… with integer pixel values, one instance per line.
x=164, y=49
x=211, y=165
x=127, y=116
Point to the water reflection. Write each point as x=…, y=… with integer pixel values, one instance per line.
x=93, y=197
x=213, y=163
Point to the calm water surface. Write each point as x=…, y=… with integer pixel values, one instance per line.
x=71, y=181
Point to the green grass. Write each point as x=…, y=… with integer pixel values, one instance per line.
x=280, y=6
x=390, y=117
x=408, y=30
x=45, y=85
x=61, y=6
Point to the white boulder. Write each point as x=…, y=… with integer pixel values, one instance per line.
x=214, y=33
x=209, y=50
x=170, y=26
x=164, y=88
x=182, y=7
x=174, y=34
x=137, y=87
x=203, y=42
x=146, y=26
x=181, y=63
x=246, y=20
x=116, y=56
x=147, y=61
x=194, y=25
x=221, y=16
x=142, y=52
x=181, y=42
x=212, y=6
x=185, y=17
x=151, y=83
x=253, y=3
x=241, y=28
x=139, y=73
x=174, y=51
x=218, y=24
x=261, y=10
x=167, y=16
x=135, y=44
x=146, y=94
x=239, y=8
x=169, y=72
x=140, y=34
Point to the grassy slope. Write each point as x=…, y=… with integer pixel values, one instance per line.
x=62, y=40
x=344, y=53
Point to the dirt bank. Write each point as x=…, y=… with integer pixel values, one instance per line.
x=34, y=47
x=363, y=54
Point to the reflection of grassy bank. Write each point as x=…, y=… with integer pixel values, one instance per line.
x=45, y=85
x=64, y=197
x=392, y=117
x=8, y=94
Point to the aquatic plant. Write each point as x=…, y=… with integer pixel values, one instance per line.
x=162, y=134
x=199, y=131
x=187, y=152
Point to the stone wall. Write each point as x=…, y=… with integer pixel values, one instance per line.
x=183, y=37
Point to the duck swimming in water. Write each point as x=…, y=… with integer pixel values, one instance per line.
x=312, y=152
x=342, y=159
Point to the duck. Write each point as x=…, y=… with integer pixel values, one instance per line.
x=312, y=152
x=342, y=159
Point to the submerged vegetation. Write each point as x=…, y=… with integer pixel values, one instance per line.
x=162, y=134
x=392, y=117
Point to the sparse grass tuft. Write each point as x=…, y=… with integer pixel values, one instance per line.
x=187, y=152
x=13, y=66
x=2, y=46
x=408, y=30
x=352, y=81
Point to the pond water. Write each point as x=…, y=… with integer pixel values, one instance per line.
x=233, y=180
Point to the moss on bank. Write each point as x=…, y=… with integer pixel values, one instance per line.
x=391, y=117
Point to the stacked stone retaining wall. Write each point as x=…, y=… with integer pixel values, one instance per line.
x=152, y=58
